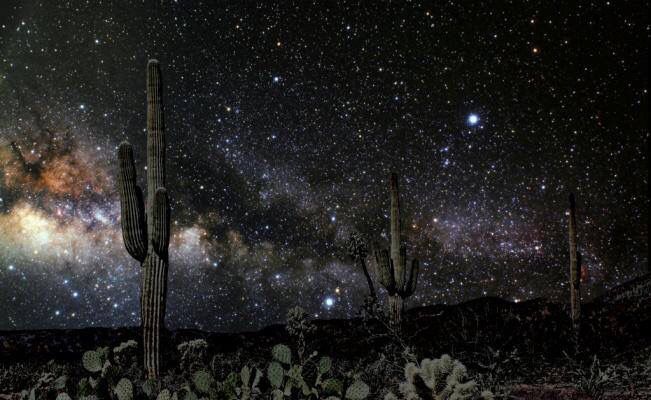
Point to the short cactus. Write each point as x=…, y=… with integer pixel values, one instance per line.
x=146, y=230
x=399, y=281
x=439, y=379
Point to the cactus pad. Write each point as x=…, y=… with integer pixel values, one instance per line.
x=60, y=382
x=357, y=391
x=325, y=363
x=124, y=389
x=203, y=381
x=92, y=361
x=148, y=387
x=275, y=374
x=164, y=395
x=332, y=386
x=282, y=354
x=245, y=375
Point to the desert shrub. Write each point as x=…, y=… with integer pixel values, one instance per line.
x=300, y=328
x=497, y=367
x=193, y=354
x=594, y=379
x=17, y=376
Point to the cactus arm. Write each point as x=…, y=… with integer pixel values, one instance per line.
x=385, y=271
x=401, y=271
x=155, y=136
x=132, y=208
x=160, y=235
x=413, y=278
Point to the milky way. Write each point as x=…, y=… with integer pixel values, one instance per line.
x=283, y=123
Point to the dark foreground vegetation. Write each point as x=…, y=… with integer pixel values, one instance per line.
x=514, y=350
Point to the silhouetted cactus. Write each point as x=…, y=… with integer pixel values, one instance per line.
x=399, y=281
x=148, y=242
x=358, y=250
x=575, y=268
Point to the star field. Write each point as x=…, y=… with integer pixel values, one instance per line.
x=283, y=123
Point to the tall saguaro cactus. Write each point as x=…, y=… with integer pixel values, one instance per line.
x=146, y=231
x=575, y=268
x=399, y=280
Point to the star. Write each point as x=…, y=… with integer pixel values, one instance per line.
x=329, y=302
x=280, y=141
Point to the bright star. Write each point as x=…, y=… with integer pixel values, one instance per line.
x=329, y=302
x=473, y=119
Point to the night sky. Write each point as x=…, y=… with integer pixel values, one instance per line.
x=283, y=124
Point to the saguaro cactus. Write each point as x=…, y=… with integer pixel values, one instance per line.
x=575, y=268
x=358, y=250
x=146, y=231
x=398, y=280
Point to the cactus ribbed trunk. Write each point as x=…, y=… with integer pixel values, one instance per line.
x=153, y=312
x=148, y=241
x=155, y=136
x=396, y=302
x=396, y=307
x=575, y=265
x=398, y=271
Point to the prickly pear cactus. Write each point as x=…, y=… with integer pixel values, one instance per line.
x=357, y=391
x=124, y=389
x=332, y=386
x=325, y=363
x=275, y=374
x=149, y=387
x=203, y=381
x=164, y=395
x=282, y=354
x=92, y=361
